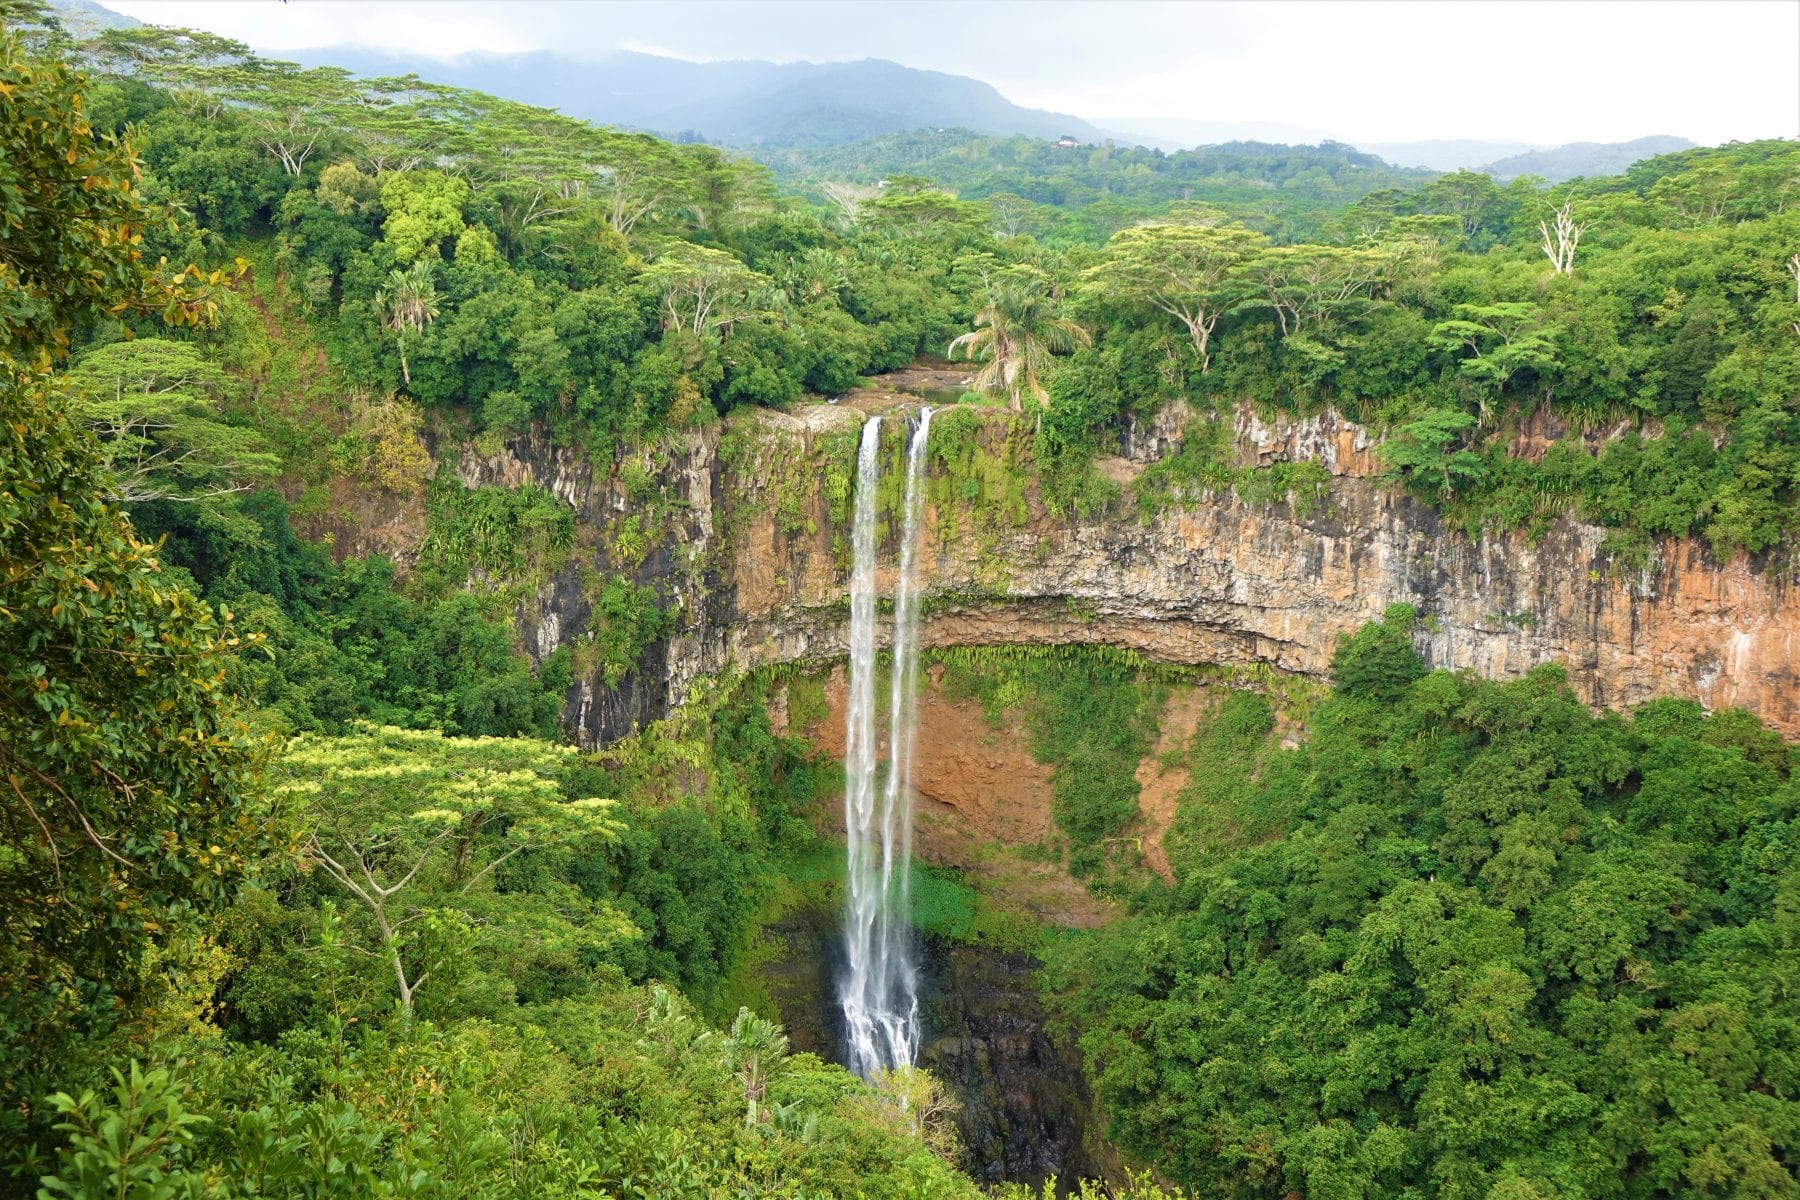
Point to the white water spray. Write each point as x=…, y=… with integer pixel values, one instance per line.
x=879, y=990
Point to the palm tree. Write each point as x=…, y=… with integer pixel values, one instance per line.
x=1016, y=331
x=756, y=1050
x=408, y=304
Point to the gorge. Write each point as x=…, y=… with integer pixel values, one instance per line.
x=523, y=674
x=1250, y=592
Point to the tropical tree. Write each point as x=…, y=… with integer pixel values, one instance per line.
x=639, y=174
x=702, y=289
x=1426, y=451
x=293, y=111
x=129, y=787
x=409, y=822
x=1017, y=330
x=424, y=210
x=1498, y=341
x=154, y=405
x=1469, y=196
x=922, y=211
x=1311, y=286
x=1187, y=271
x=849, y=199
x=756, y=1051
x=913, y=1102
x=198, y=68
x=1013, y=214
x=408, y=304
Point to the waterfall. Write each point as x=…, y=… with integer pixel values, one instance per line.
x=879, y=989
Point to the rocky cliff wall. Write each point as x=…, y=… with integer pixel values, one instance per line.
x=748, y=552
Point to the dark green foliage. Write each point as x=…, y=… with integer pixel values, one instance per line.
x=1378, y=660
x=690, y=888
x=1469, y=940
x=1085, y=193
x=344, y=642
x=130, y=781
x=618, y=1091
x=1678, y=309
x=130, y=796
x=280, y=1063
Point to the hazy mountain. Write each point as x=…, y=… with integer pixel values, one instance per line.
x=1508, y=160
x=84, y=18
x=1172, y=134
x=798, y=105
x=1585, y=158
x=744, y=103
x=1444, y=154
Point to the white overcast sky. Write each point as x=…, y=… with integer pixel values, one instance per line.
x=1545, y=71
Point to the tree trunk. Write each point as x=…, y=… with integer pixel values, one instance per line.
x=388, y=940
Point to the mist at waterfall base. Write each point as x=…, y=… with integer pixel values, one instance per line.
x=878, y=987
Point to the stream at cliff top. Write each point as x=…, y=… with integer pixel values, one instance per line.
x=879, y=985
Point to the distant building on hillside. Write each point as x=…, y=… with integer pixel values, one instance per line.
x=1066, y=142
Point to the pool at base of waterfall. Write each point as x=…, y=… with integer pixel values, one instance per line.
x=1027, y=1112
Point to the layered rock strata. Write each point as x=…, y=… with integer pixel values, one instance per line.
x=749, y=556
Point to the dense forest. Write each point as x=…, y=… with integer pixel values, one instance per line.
x=305, y=893
x=1470, y=940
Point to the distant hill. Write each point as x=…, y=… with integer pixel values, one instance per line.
x=1585, y=158
x=800, y=106
x=747, y=103
x=84, y=18
x=1173, y=133
x=1444, y=154
x=742, y=103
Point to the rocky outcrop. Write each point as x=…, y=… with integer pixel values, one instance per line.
x=755, y=565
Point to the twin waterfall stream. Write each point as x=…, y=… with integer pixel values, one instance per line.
x=879, y=987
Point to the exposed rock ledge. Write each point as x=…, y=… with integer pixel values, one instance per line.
x=1219, y=581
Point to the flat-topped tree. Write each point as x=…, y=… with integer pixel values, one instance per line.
x=1497, y=341
x=294, y=111
x=154, y=404
x=849, y=199
x=1313, y=286
x=393, y=127
x=716, y=190
x=918, y=211
x=409, y=822
x=702, y=290
x=199, y=69
x=637, y=175
x=1189, y=271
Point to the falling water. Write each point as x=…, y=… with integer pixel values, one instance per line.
x=879, y=989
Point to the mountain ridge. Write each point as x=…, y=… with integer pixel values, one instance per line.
x=740, y=102
x=756, y=104
x=1574, y=159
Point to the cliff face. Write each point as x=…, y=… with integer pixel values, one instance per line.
x=756, y=565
